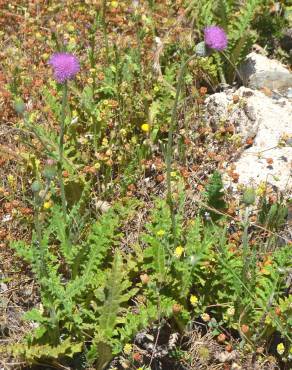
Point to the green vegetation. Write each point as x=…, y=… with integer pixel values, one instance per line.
x=121, y=237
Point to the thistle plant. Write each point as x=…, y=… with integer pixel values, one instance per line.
x=65, y=67
x=215, y=40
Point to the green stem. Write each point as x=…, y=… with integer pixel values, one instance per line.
x=220, y=69
x=234, y=66
x=61, y=150
x=38, y=229
x=170, y=141
x=245, y=245
x=104, y=26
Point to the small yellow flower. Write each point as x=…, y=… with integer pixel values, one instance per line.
x=194, y=300
x=104, y=141
x=173, y=174
x=230, y=311
x=160, y=232
x=178, y=251
x=90, y=80
x=260, y=191
x=134, y=139
x=128, y=348
x=97, y=165
x=38, y=36
x=114, y=4
x=48, y=205
x=145, y=127
x=280, y=348
x=70, y=27
x=72, y=41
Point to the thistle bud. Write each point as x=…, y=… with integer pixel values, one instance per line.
x=36, y=186
x=19, y=106
x=49, y=172
x=249, y=196
x=201, y=49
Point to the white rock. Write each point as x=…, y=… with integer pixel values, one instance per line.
x=259, y=65
x=253, y=168
x=266, y=119
x=220, y=109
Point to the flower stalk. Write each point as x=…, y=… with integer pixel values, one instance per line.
x=61, y=150
x=169, y=151
x=65, y=66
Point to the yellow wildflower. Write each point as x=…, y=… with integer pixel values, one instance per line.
x=72, y=41
x=145, y=127
x=260, y=191
x=230, y=311
x=11, y=180
x=114, y=4
x=90, y=80
x=160, y=232
x=178, y=251
x=38, y=36
x=70, y=27
x=194, y=300
x=280, y=348
x=104, y=141
x=128, y=348
x=48, y=205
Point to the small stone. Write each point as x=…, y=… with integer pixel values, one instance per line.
x=221, y=338
x=289, y=93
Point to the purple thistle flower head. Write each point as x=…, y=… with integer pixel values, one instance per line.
x=65, y=66
x=215, y=38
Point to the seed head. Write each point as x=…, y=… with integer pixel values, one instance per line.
x=205, y=317
x=65, y=66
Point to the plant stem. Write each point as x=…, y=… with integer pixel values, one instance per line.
x=61, y=150
x=38, y=203
x=170, y=141
x=104, y=26
x=245, y=245
x=40, y=247
x=219, y=68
